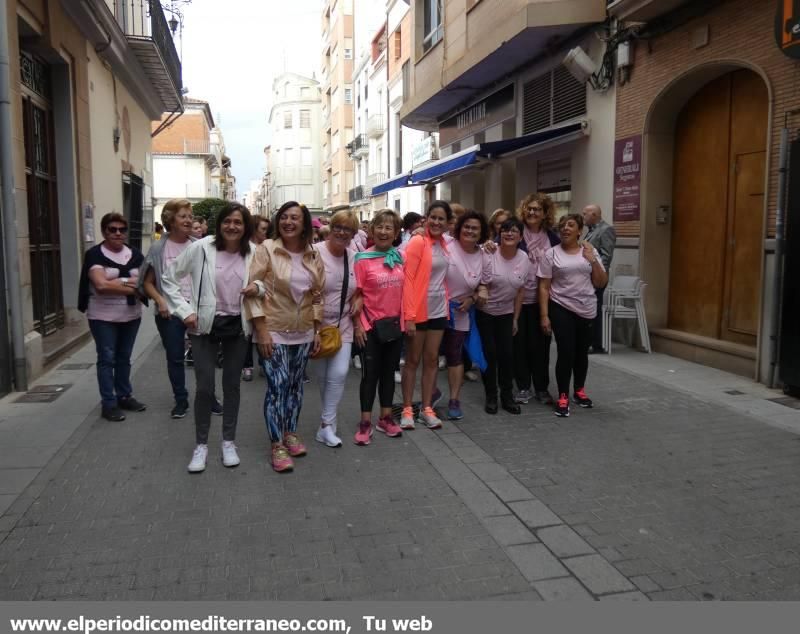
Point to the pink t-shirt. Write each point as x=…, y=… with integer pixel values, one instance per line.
x=114, y=308
x=571, y=280
x=381, y=288
x=170, y=252
x=299, y=285
x=503, y=278
x=537, y=244
x=334, y=274
x=437, y=290
x=463, y=276
x=229, y=277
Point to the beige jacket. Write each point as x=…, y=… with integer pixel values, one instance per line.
x=271, y=269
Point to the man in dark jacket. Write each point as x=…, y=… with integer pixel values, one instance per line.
x=602, y=237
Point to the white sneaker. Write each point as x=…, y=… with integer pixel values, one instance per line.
x=431, y=420
x=471, y=375
x=407, y=419
x=327, y=436
x=198, y=463
x=229, y=456
x=398, y=377
x=442, y=363
x=357, y=362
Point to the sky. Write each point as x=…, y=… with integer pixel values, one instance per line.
x=231, y=51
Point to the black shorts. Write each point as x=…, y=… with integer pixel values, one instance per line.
x=440, y=323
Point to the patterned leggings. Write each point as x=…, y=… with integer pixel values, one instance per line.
x=284, y=397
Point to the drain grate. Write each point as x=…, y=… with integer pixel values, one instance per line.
x=43, y=393
x=76, y=366
x=49, y=389
x=786, y=401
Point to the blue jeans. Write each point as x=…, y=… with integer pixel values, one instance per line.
x=173, y=332
x=114, y=342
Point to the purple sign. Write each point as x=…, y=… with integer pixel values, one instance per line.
x=627, y=178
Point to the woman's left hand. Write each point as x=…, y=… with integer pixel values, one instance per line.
x=466, y=304
x=514, y=328
x=588, y=253
x=251, y=290
x=317, y=345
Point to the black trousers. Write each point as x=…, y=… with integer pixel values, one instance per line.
x=573, y=335
x=597, y=323
x=498, y=348
x=378, y=362
x=205, y=350
x=531, y=351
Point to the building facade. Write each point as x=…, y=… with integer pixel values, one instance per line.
x=189, y=159
x=295, y=153
x=337, y=103
x=703, y=108
x=86, y=79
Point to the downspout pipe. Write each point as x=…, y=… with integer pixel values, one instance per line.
x=12, y=277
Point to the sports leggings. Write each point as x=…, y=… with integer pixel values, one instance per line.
x=378, y=362
x=573, y=336
x=284, y=397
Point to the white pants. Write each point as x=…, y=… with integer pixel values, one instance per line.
x=331, y=374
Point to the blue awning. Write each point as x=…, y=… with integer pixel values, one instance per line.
x=392, y=183
x=444, y=167
x=528, y=141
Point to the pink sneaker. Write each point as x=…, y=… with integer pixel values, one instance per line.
x=389, y=427
x=364, y=434
x=281, y=460
x=294, y=445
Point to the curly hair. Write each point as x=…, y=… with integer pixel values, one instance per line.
x=547, y=205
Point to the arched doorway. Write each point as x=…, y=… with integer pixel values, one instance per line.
x=718, y=204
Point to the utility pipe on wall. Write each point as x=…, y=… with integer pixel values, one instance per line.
x=10, y=210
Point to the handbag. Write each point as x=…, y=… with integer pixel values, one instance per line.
x=330, y=337
x=224, y=326
x=387, y=329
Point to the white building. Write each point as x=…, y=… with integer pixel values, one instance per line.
x=295, y=152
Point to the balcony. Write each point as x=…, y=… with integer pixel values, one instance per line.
x=375, y=179
x=642, y=10
x=357, y=193
x=133, y=38
x=326, y=162
x=375, y=126
x=358, y=147
x=144, y=24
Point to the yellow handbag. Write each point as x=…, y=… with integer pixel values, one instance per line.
x=330, y=337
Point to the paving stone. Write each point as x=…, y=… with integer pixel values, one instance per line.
x=563, y=541
x=625, y=596
x=565, y=589
x=534, y=513
x=645, y=584
x=535, y=562
x=597, y=574
x=510, y=490
x=508, y=530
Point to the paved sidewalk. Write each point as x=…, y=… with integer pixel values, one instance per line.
x=654, y=494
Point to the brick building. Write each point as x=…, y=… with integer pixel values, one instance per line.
x=704, y=102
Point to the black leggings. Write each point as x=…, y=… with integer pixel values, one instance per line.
x=378, y=362
x=531, y=351
x=573, y=338
x=498, y=348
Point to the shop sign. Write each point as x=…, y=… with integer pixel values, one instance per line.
x=423, y=151
x=494, y=109
x=787, y=27
x=627, y=178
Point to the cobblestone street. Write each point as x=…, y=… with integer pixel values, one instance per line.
x=653, y=494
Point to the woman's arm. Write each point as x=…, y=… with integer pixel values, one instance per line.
x=599, y=274
x=149, y=286
x=413, y=259
x=517, y=310
x=116, y=286
x=544, y=305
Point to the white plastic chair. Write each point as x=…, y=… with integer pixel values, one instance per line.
x=624, y=299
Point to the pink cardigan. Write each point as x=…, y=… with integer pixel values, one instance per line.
x=418, y=262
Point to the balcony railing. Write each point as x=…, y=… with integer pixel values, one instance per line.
x=146, y=28
x=358, y=147
x=357, y=193
x=375, y=126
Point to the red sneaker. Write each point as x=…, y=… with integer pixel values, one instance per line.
x=294, y=445
x=562, y=405
x=364, y=434
x=389, y=427
x=581, y=399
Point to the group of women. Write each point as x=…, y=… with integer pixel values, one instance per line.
x=453, y=281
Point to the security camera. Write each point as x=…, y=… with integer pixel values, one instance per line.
x=579, y=64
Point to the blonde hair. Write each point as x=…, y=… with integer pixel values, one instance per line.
x=493, y=219
x=548, y=209
x=171, y=208
x=344, y=218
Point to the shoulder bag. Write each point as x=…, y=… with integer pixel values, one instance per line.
x=330, y=337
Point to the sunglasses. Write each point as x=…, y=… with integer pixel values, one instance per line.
x=119, y=230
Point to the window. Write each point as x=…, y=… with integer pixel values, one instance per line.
x=288, y=156
x=287, y=119
x=348, y=53
x=398, y=44
x=305, y=118
x=305, y=156
x=432, y=25
x=335, y=184
x=348, y=95
x=348, y=48
x=305, y=92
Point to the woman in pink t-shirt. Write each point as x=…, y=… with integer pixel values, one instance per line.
x=340, y=305
x=378, y=330
x=504, y=274
x=568, y=276
x=109, y=297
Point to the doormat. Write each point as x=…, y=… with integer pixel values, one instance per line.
x=786, y=401
x=43, y=393
x=76, y=366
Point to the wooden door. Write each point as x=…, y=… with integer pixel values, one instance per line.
x=718, y=199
